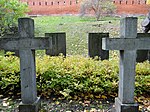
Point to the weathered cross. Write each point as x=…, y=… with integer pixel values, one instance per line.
x=27, y=44
x=127, y=45
x=95, y=46
x=58, y=43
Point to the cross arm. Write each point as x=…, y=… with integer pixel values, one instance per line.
x=38, y=43
x=125, y=43
x=25, y=43
x=9, y=43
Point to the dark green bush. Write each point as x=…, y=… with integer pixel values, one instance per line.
x=73, y=75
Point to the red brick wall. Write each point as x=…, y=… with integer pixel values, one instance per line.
x=131, y=6
x=47, y=7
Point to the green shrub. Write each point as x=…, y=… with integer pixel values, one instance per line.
x=73, y=75
x=9, y=73
x=10, y=11
x=143, y=78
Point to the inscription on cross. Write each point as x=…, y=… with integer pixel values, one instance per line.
x=127, y=45
x=27, y=44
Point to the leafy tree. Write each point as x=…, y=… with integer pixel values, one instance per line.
x=10, y=11
x=100, y=7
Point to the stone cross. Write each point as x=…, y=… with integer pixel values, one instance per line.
x=95, y=45
x=127, y=45
x=58, y=44
x=27, y=44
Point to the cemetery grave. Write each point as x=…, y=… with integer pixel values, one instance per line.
x=27, y=44
x=127, y=44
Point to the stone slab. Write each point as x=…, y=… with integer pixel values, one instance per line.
x=58, y=44
x=95, y=45
x=142, y=55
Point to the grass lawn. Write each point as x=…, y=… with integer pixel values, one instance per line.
x=76, y=29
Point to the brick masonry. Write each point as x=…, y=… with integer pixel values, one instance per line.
x=48, y=7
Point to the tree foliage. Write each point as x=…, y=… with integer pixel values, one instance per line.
x=10, y=11
x=100, y=7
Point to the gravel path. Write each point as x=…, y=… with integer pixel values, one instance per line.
x=57, y=104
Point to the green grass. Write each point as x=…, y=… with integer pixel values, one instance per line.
x=76, y=29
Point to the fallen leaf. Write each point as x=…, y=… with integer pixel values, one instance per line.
x=107, y=101
x=70, y=101
x=5, y=104
x=148, y=108
x=98, y=96
x=103, y=97
x=140, y=107
x=141, y=99
x=75, y=97
x=86, y=97
x=54, y=98
x=10, y=93
x=146, y=102
x=80, y=102
x=5, y=99
x=93, y=110
x=87, y=102
x=91, y=96
x=85, y=110
x=57, y=102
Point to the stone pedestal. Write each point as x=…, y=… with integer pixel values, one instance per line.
x=30, y=107
x=119, y=107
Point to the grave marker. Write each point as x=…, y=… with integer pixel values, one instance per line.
x=58, y=44
x=27, y=44
x=143, y=55
x=95, y=45
x=127, y=45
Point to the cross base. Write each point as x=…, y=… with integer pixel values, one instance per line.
x=30, y=107
x=119, y=107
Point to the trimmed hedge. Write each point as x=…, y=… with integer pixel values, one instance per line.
x=72, y=75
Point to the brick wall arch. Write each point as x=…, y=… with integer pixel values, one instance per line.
x=48, y=7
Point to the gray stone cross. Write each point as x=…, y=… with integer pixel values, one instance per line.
x=27, y=44
x=58, y=42
x=127, y=45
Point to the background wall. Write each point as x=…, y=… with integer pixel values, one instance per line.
x=131, y=6
x=47, y=7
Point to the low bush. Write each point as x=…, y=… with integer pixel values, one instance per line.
x=73, y=75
